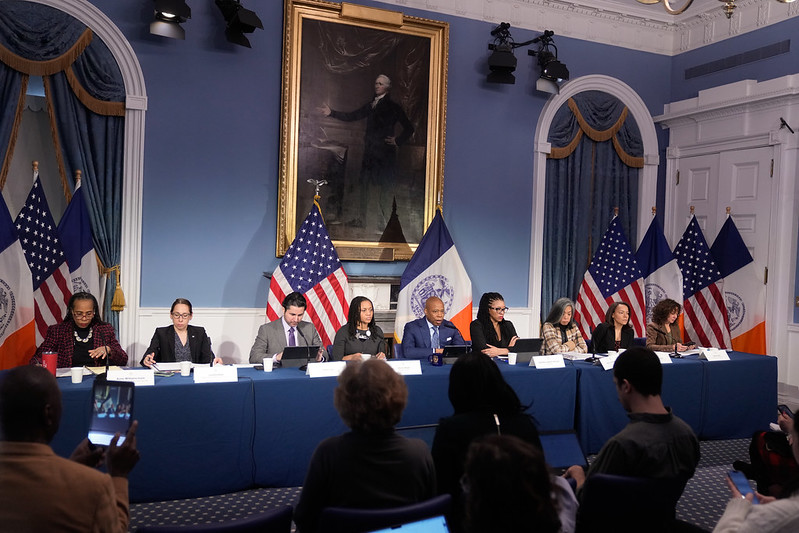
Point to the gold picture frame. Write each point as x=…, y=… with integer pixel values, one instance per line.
x=382, y=158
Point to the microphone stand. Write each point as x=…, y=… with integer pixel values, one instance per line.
x=102, y=378
x=593, y=359
x=675, y=354
x=308, y=351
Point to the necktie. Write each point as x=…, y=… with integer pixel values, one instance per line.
x=292, y=340
x=436, y=343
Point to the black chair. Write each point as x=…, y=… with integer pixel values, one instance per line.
x=350, y=520
x=274, y=521
x=627, y=504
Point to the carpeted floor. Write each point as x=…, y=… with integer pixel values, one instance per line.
x=702, y=503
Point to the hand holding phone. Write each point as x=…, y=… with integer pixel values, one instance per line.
x=740, y=482
x=784, y=409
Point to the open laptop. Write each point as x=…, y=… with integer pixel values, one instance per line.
x=525, y=349
x=437, y=524
x=453, y=351
x=299, y=356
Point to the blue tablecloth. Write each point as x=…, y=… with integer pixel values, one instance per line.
x=295, y=413
x=719, y=400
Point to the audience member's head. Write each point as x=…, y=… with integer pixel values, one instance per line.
x=641, y=368
x=507, y=487
x=370, y=396
x=561, y=307
x=30, y=405
x=475, y=383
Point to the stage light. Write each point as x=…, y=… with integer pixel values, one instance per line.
x=553, y=71
x=502, y=62
x=239, y=21
x=169, y=15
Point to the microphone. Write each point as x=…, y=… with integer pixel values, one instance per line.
x=103, y=377
x=593, y=359
x=308, y=350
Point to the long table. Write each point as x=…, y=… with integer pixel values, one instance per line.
x=719, y=400
x=198, y=440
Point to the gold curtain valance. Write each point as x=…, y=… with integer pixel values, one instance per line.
x=51, y=66
x=596, y=136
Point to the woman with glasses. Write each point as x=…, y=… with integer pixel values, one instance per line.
x=360, y=336
x=491, y=333
x=560, y=331
x=82, y=338
x=180, y=341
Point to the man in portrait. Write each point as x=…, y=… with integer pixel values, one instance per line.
x=381, y=141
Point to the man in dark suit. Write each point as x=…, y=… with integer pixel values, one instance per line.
x=378, y=179
x=288, y=330
x=428, y=334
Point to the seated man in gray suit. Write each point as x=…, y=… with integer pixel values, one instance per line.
x=288, y=330
x=420, y=334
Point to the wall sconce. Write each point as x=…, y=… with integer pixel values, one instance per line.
x=169, y=15
x=239, y=21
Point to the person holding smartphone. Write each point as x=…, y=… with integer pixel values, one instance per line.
x=663, y=333
x=770, y=515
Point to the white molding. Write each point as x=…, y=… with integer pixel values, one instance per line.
x=647, y=192
x=133, y=169
x=625, y=24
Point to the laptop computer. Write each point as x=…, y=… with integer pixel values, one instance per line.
x=453, y=351
x=298, y=356
x=437, y=524
x=525, y=349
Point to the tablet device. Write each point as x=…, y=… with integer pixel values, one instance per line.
x=453, y=351
x=297, y=356
x=527, y=346
x=111, y=411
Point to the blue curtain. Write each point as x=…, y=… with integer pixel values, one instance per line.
x=86, y=91
x=593, y=167
x=11, y=84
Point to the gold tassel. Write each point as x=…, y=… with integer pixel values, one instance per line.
x=118, y=302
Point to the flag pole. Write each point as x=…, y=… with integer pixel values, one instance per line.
x=317, y=185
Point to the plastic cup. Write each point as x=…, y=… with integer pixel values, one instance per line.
x=185, y=368
x=77, y=374
x=267, y=364
x=50, y=361
x=511, y=358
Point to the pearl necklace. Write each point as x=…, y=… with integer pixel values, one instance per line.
x=79, y=339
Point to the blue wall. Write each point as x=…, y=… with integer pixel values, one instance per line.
x=212, y=140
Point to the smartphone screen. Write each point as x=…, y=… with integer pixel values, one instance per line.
x=111, y=411
x=785, y=409
x=742, y=484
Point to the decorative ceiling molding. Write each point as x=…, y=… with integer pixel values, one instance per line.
x=623, y=23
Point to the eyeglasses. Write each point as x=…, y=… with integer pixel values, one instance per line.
x=80, y=314
x=184, y=316
x=499, y=309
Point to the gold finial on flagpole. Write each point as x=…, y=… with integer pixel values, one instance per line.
x=78, y=174
x=35, y=167
x=692, y=210
x=728, y=210
x=615, y=211
x=317, y=185
x=654, y=210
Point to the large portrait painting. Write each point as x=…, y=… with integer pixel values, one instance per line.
x=364, y=105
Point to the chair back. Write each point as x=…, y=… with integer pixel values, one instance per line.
x=274, y=521
x=624, y=503
x=350, y=520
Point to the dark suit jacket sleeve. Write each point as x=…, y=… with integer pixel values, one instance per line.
x=478, y=336
x=602, y=339
x=413, y=341
x=259, y=347
x=340, y=343
x=155, y=347
x=452, y=333
x=627, y=337
x=106, y=336
x=200, y=345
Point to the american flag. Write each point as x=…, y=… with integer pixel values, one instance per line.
x=612, y=277
x=52, y=284
x=311, y=266
x=705, y=314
